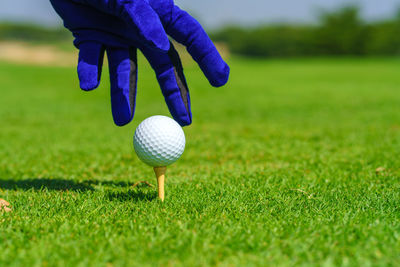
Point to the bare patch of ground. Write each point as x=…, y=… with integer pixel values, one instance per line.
x=44, y=55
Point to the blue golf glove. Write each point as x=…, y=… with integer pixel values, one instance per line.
x=120, y=27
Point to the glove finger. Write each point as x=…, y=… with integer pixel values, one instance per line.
x=137, y=15
x=170, y=76
x=91, y=55
x=188, y=31
x=123, y=79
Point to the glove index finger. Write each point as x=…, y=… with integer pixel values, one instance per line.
x=91, y=55
x=188, y=31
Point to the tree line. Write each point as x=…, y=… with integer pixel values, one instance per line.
x=33, y=33
x=341, y=32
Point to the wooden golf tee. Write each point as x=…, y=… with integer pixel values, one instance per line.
x=160, y=175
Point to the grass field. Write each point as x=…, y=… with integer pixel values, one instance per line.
x=280, y=168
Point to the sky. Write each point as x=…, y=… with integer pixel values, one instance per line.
x=216, y=13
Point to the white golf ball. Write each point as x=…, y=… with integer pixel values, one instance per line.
x=159, y=141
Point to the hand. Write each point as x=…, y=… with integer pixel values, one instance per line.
x=120, y=27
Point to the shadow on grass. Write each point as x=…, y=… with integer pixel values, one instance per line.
x=82, y=186
x=43, y=183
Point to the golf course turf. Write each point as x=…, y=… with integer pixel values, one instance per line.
x=294, y=162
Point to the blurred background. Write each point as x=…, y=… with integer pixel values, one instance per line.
x=257, y=28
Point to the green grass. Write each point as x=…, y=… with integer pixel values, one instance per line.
x=279, y=169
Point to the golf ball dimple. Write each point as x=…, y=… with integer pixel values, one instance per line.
x=159, y=141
